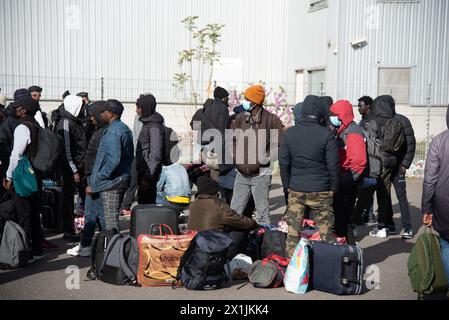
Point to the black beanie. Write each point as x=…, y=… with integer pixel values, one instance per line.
x=31, y=105
x=21, y=93
x=220, y=93
x=207, y=186
x=113, y=106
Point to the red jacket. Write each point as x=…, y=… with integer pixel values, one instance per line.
x=352, y=144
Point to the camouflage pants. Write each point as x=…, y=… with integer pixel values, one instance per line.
x=319, y=205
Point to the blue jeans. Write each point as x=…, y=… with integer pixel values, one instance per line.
x=160, y=199
x=259, y=187
x=444, y=247
x=93, y=209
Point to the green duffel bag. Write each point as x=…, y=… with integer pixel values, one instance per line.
x=425, y=268
x=24, y=178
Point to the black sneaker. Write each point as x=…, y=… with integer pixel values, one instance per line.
x=407, y=234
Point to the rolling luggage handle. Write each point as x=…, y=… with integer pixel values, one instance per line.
x=346, y=261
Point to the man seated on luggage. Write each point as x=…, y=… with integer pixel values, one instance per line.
x=208, y=212
x=173, y=187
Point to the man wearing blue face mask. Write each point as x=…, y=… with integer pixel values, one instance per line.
x=353, y=162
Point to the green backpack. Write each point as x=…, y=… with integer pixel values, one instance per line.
x=24, y=178
x=425, y=267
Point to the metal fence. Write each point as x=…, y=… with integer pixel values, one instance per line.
x=178, y=105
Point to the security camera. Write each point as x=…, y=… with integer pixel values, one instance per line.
x=359, y=43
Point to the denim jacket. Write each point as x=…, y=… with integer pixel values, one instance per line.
x=114, y=158
x=174, y=181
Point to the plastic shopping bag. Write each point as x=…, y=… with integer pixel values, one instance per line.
x=296, y=278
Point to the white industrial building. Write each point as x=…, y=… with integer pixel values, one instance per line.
x=341, y=48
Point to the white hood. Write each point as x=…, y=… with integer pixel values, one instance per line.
x=73, y=104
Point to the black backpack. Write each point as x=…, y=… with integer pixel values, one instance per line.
x=202, y=266
x=171, y=149
x=8, y=211
x=115, y=259
x=392, y=136
x=274, y=243
x=374, y=153
x=49, y=152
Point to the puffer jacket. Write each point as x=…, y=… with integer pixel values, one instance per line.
x=351, y=141
x=407, y=153
x=308, y=156
x=384, y=109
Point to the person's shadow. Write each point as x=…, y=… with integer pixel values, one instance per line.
x=50, y=262
x=52, y=259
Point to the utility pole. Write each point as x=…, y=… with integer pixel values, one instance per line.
x=428, y=119
x=102, y=88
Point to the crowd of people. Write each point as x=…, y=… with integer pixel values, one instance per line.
x=330, y=166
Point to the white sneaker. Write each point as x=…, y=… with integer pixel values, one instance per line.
x=379, y=233
x=79, y=251
x=74, y=251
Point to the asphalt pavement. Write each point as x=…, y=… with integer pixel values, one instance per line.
x=386, y=260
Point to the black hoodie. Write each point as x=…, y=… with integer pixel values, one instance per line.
x=407, y=153
x=309, y=156
x=75, y=146
x=384, y=109
x=92, y=148
x=150, y=144
x=216, y=117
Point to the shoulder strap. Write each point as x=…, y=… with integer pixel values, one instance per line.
x=94, y=255
x=124, y=263
x=111, y=244
x=185, y=257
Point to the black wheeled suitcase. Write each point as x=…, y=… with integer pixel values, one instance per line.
x=147, y=218
x=335, y=268
x=52, y=209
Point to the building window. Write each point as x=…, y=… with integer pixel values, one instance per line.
x=317, y=5
x=396, y=83
x=317, y=82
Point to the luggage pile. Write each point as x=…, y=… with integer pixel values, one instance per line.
x=157, y=254
x=315, y=264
